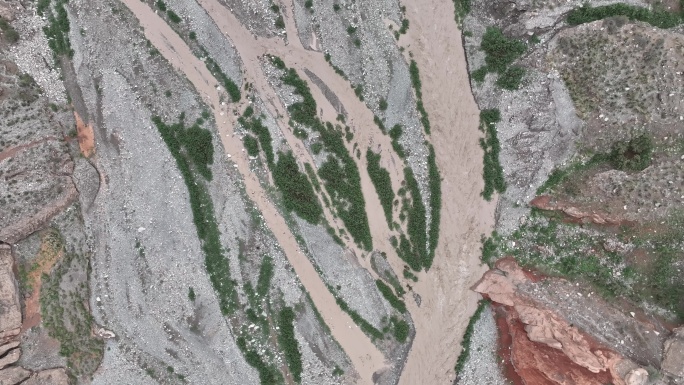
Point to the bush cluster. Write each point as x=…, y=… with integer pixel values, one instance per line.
x=298, y=193
x=265, y=276
x=268, y=374
x=632, y=155
x=658, y=18
x=365, y=326
x=395, y=133
x=413, y=249
x=500, y=53
x=57, y=28
x=383, y=183
x=492, y=170
x=253, y=124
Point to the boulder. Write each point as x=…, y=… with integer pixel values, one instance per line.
x=673, y=357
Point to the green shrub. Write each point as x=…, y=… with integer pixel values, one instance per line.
x=401, y=329
x=308, y=4
x=404, y=26
x=658, y=18
x=253, y=124
x=173, y=16
x=288, y=342
x=280, y=22
x=252, y=145
x=161, y=5
x=336, y=7
x=480, y=74
x=298, y=194
x=388, y=293
x=365, y=326
x=351, y=30
x=268, y=374
x=395, y=133
x=461, y=10
x=191, y=294
x=633, y=155
x=382, y=104
x=489, y=246
x=500, y=51
x=192, y=35
x=382, y=182
x=510, y=79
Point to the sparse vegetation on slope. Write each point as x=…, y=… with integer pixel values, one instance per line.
x=253, y=123
x=228, y=83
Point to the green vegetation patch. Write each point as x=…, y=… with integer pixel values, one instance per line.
x=382, y=182
x=57, y=28
x=657, y=17
x=417, y=86
x=465, y=344
x=389, y=295
x=228, y=83
x=66, y=317
x=461, y=10
x=181, y=144
x=298, y=193
x=251, y=144
x=413, y=249
x=288, y=342
x=253, y=124
x=395, y=133
x=265, y=276
x=492, y=170
x=268, y=374
x=632, y=155
x=400, y=329
x=500, y=53
x=339, y=172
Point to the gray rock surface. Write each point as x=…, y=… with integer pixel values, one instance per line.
x=10, y=312
x=13, y=375
x=673, y=358
x=56, y=376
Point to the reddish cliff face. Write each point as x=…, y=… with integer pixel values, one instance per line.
x=544, y=348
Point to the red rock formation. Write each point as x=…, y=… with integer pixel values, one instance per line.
x=545, y=202
x=545, y=348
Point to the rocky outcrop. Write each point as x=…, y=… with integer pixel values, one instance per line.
x=546, y=348
x=56, y=376
x=13, y=375
x=10, y=312
x=673, y=359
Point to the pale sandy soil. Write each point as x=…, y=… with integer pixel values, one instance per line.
x=448, y=304
x=86, y=136
x=365, y=357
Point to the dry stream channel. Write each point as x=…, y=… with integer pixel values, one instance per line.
x=434, y=40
